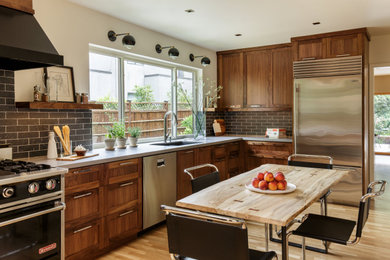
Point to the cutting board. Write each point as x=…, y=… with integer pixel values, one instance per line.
x=75, y=157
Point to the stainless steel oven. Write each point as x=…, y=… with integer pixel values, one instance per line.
x=31, y=211
x=31, y=231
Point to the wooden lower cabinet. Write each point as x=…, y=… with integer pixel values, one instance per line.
x=122, y=225
x=227, y=158
x=184, y=159
x=259, y=153
x=104, y=207
x=82, y=241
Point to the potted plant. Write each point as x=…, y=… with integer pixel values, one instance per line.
x=110, y=140
x=134, y=133
x=119, y=131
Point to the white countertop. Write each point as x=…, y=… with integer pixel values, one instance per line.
x=143, y=150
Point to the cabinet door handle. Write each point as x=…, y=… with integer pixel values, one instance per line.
x=343, y=55
x=309, y=58
x=126, y=184
x=190, y=151
x=126, y=213
x=126, y=163
x=82, y=171
x=82, y=229
x=82, y=195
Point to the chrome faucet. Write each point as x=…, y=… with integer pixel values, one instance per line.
x=166, y=133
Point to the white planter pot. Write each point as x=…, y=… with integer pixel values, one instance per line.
x=121, y=143
x=133, y=141
x=110, y=144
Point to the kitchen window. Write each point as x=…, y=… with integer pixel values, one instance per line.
x=140, y=91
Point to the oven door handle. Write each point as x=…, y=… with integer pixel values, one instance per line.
x=58, y=207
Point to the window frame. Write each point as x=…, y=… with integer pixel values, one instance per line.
x=122, y=56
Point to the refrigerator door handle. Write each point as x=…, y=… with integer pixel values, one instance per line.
x=296, y=105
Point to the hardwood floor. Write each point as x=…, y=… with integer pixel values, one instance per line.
x=373, y=245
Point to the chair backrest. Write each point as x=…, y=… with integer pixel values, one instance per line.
x=364, y=206
x=311, y=164
x=204, y=181
x=206, y=237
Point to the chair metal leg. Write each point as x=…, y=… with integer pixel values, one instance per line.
x=303, y=248
x=266, y=226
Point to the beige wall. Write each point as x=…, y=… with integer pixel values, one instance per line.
x=380, y=49
x=382, y=84
x=71, y=28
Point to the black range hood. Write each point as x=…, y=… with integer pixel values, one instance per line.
x=23, y=43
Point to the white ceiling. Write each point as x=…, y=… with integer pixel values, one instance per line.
x=261, y=22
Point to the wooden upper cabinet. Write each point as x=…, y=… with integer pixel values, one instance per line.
x=309, y=49
x=258, y=78
x=231, y=78
x=21, y=5
x=330, y=45
x=282, y=77
x=344, y=45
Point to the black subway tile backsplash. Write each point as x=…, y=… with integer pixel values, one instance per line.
x=250, y=123
x=27, y=130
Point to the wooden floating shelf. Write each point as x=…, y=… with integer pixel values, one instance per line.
x=260, y=109
x=57, y=105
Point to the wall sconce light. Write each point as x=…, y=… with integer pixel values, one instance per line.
x=128, y=41
x=173, y=53
x=204, y=61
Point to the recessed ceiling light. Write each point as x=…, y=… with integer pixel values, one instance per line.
x=189, y=11
x=316, y=23
x=238, y=34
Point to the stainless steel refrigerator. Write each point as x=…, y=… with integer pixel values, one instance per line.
x=328, y=118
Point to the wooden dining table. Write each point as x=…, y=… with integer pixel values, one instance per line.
x=231, y=197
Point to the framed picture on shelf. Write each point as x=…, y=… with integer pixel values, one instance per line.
x=60, y=84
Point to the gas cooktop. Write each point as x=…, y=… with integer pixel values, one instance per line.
x=21, y=166
x=16, y=171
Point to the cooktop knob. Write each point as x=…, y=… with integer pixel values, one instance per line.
x=33, y=187
x=8, y=192
x=51, y=184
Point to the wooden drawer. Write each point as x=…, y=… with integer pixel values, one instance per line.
x=234, y=150
x=81, y=179
x=122, y=224
x=82, y=241
x=82, y=204
x=123, y=170
x=233, y=167
x=219, y=153
x=121, y=195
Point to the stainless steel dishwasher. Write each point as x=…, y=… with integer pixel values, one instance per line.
x=159, y=186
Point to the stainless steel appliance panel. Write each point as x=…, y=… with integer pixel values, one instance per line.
x=159, y=186
x=349, y=190
x=328, y=118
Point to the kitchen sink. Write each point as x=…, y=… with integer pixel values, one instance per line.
x=175, y=143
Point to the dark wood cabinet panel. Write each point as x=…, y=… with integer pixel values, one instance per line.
x=21, y=5
x=344, y=45
x=104, y=206
x=82, y=241
x=258, y=153
x=220, y=160
x=121, y=195
x=122, y=225
x=258, y=78
x=185, y=159
x=203, y=156
x=123, y=170
x=82, y=205
x=231, y=77
x=282, y=77
x=81, y=179
x=310, y=49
